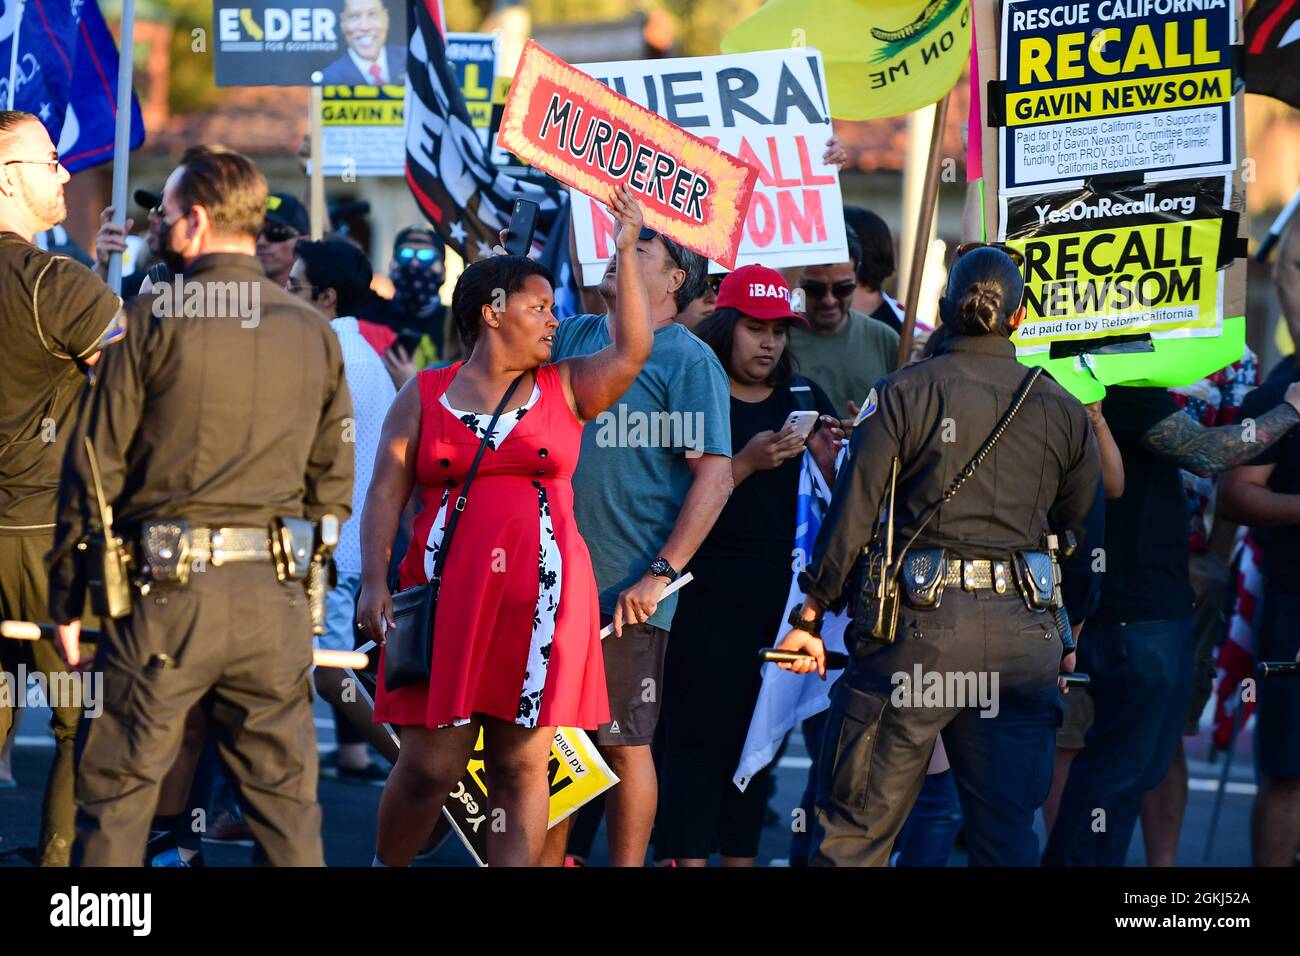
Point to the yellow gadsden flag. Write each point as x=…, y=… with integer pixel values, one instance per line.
x=883, y=57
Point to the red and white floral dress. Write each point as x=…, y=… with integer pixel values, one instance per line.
x=516, y=634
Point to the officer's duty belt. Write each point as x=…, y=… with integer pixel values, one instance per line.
x=973, y=575
x=219, y=546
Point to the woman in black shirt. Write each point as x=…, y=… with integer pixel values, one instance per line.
x=742, y=576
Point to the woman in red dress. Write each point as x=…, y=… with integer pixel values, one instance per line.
x=516, y=645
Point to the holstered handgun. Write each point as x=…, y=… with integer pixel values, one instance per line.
x=108, y=562
x=322, y=575
x=292, y=543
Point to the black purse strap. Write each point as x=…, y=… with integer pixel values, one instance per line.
x=964, y=475
x=453, y=518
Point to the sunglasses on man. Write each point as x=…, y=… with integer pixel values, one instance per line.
x=275, y=232
x=674, y=248
x=816, y=291
x=52, y=164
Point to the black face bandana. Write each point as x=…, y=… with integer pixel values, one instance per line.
x=415, y=295
x=174, y=260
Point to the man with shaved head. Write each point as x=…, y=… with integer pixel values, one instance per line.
x=58, y=315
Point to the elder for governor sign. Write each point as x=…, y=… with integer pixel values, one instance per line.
x=363, y=127
x=335, y=42
x=770, y=110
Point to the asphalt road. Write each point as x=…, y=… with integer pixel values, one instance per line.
x=349, y=809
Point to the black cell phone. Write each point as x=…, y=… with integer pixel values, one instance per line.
x=523, y=223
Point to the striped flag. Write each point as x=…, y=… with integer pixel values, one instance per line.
x=785, y=698
x=1236, y=660
x=465, y=197
x=1273, y=50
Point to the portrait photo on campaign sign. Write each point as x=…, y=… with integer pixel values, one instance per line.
x=364, y=127
x=1112, y=87
x=768, y=109
x=334, y=42
x=589, y=137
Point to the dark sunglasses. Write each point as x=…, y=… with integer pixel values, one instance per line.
x=817, y=290
x=715, y=282
x=1015, y=255
x=275, y=232
x=406, y=254
x=674, y=250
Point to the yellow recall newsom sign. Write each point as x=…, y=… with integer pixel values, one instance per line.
x=1120, y=261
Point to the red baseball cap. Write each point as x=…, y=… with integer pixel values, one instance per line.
x=758, y=292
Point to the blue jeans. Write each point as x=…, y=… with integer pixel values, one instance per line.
x=932, y=826
x=1142, y=675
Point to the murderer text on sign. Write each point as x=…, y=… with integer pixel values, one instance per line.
x=769, y=109
x=1104, y=87
x=587, y=136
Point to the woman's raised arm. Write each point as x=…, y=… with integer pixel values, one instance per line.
x=595, y=382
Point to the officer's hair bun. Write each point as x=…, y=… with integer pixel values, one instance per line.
x=980, y=309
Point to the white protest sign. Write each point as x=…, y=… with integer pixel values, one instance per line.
x=770, y=110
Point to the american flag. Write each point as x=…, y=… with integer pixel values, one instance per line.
x=1236, y=661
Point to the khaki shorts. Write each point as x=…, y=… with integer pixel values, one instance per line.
x=1079, y=715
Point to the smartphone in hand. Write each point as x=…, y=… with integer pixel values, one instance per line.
x=803, y=422
x=523, y=223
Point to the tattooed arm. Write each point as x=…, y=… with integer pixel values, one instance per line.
x=1209, y=451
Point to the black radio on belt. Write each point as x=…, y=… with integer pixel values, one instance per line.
x=108, y=561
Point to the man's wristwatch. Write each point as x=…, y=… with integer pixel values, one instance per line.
x=660, y=568
x=797, y=621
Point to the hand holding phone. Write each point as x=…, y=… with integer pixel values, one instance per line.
x=523, y=223
x=802, y=422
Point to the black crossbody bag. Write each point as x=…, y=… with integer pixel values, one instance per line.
x=408, y=645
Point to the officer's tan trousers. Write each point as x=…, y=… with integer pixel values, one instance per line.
x=241, y=643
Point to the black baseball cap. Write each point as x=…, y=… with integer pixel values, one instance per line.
x=147, y=199
x=286, y=210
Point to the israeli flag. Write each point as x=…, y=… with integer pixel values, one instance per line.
x=786, y=699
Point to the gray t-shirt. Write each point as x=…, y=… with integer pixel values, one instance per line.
x=632, y=475
x=848, y=363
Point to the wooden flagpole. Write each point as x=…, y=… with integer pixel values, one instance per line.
x=929, y=199
x=316, y=193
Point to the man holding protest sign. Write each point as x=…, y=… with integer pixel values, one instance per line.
x=654, y=475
